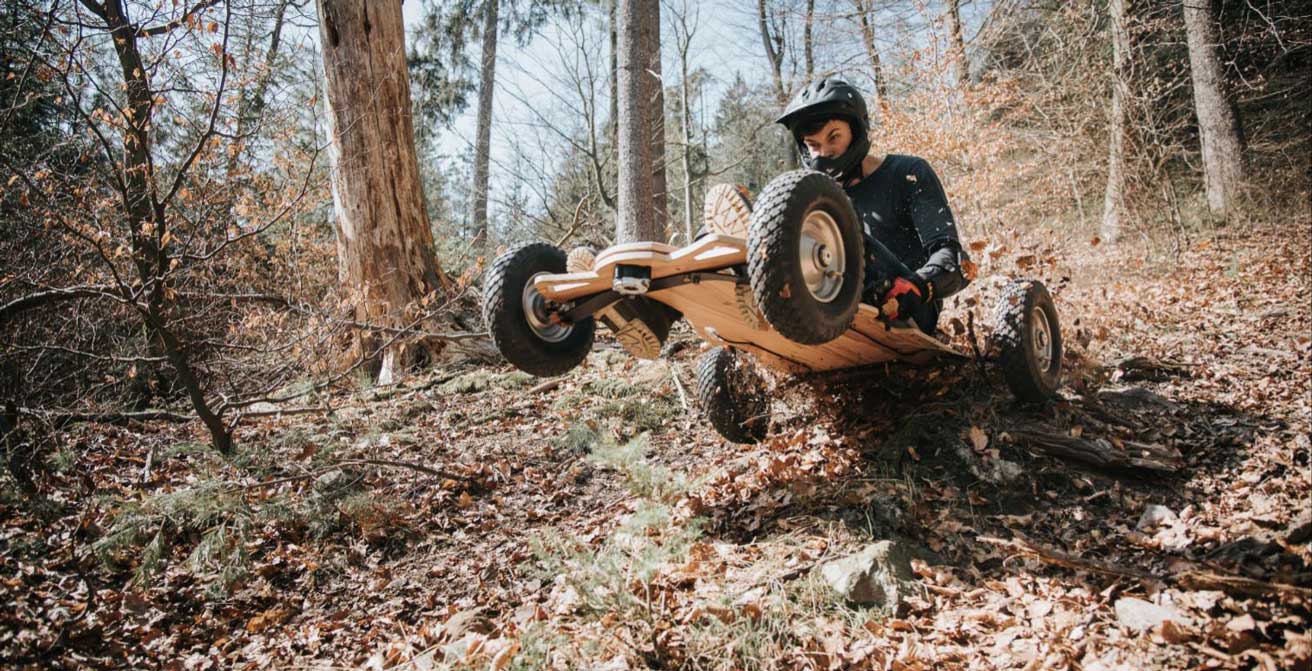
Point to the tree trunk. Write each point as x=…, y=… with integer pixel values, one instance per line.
x=613, y=124
x=1113, y=207
x=868, y=37
x=385, y=255
x=958, y=43
x=659, y=182
x=687, y=157
x=774, y=53
x=1218, y=121
x=483, y=149
x=637, y=220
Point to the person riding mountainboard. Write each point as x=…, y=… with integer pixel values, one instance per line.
x=898, y=198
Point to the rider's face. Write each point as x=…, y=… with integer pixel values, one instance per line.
x=830, y=141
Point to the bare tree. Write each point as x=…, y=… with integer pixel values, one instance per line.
x=384, y=243
x=1218, y=120
x=685, y=26
x=146, y=195
x=147, y=232
x=613, y=26
x=659, y=182
x=863, y=10
x=568, y=109
x=774, y=38
x=1113, y=208
x=957, y=42
x=808, y=52
x=773, y=23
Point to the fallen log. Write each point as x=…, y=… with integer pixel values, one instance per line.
x=1102, y=452
x=1148, y=368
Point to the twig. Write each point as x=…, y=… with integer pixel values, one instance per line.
x=288, y=411
x=545, y=386
x=62, y=418
x=678, y=386
x=145, y=470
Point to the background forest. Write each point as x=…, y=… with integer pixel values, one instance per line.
x=251, y=416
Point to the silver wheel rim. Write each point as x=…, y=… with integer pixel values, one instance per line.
x=822, y=255
x=537, y=315
x=1041, y=338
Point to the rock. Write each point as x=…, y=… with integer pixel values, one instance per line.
x=1005, y=472
x=991, y=468
x=331, y=480
x=1300, y=530
x=1155, y=516
x=880, y=574
x=1140, y=615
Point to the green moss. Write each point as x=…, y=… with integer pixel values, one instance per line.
x=479, y=381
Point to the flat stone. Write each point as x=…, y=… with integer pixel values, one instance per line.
x=880, y=574
x=1140, y=615
x=1155, y=516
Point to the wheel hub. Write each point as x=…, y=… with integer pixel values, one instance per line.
x=822, y=255
x=1041, y=338
x=539, y=316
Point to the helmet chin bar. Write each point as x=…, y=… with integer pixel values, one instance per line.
x=845, y=166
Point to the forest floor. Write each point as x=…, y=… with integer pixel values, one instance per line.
x=473, y=517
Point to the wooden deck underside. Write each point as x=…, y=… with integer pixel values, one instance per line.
x=713, y=309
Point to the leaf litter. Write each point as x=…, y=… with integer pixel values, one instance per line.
x=597, y=524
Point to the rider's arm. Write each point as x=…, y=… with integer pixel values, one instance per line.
x=928, y=207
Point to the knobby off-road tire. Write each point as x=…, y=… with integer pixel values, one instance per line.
x=1028, y=337
x=515, y=316
x=733, y=396
x=809, y=293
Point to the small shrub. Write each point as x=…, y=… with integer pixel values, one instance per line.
x=211, y=509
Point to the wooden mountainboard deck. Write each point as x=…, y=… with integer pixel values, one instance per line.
x=712, y=309
x=710, y=253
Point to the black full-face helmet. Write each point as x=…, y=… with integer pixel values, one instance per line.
x=829, y=98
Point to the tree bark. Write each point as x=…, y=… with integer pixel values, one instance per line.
x=872, y=51
x=654, y=80
x=1218, y=121
x=1113, y=207
x=384, y=244
x=483, y=149
x=637, y=220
